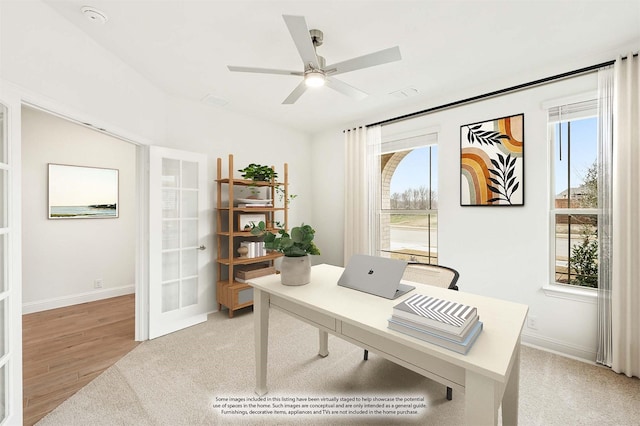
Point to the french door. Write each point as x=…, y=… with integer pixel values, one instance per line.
x=178, y=205
x=10, y=264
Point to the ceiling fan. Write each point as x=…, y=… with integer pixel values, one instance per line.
x=316, y=72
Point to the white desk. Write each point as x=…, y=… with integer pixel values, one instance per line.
x=488, y=374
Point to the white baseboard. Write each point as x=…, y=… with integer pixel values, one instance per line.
x=61, y=302
x=558, y=347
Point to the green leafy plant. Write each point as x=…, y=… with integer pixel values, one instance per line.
x=584, y=261
x=258, y=173
x=298, y=243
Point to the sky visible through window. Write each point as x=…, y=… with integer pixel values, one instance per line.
x=584, y=152
x=413, y=171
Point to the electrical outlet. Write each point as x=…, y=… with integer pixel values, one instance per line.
x=97, y=283
x=532, y=322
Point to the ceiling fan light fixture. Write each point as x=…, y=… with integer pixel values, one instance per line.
x=314, y=78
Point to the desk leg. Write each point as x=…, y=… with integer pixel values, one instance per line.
x=511, y=393
x=261, y=332
x=324, y=344
x=482, y=399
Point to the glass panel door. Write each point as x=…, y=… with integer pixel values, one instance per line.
x=5, y=295
x=177, y=182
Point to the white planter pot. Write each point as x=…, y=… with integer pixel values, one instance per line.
x=295, y=270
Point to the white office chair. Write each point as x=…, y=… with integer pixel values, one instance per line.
x=435, y=275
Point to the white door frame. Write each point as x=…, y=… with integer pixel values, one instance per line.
x=142, y=199
x=142, y=244
x=19, y=96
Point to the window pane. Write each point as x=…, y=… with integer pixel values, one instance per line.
x=412, y=237
x=189, y=292
x=3, y=388
x=189, y=175
x=170, y=172
x=170, y=296
x=3, y=271
x=576, y=249
x=410, y=183
x=3, y=318
x=3, y=139
x=3, y=198
x=170, y=265
x=576, y=154
x=170, y=234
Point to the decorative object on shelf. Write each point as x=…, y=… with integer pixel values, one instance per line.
x=254, y=248
x=243, y=251
x=296, y=247
x=245, y=221
x=264, y=202
x=255, y=270
x=492, y=162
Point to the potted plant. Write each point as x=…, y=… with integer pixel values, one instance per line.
x=260, y=173
x=257, y=173
x=296, y=247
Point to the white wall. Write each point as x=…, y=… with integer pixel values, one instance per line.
x=499, y=252
x=218, y=133
x=56, y=66
x=62, y=258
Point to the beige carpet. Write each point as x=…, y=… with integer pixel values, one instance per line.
x=177, y=380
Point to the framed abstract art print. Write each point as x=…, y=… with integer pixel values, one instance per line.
x=492, y=162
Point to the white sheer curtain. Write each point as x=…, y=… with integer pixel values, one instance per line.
x=625, y=287
x=362, y=147
x=605, y=152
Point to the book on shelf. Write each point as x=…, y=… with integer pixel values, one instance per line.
x=437, y=339
x=255, y=248
x=253, y=205
x=439, y=314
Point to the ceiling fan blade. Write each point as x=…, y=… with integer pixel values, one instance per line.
x=345, y=88
x=263, y=70
x=297, y=92
x=372, y=59
x=300, y=33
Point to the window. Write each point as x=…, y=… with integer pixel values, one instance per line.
x=408, y=216
x=574, y=188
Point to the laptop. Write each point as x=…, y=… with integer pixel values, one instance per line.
x=375, y=275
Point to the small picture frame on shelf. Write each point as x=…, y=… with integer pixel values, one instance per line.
x=245, y=220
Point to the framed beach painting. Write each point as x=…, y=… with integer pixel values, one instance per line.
x=80, y=192
x=492, y=162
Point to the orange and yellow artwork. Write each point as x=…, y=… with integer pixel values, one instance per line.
x=492, y=162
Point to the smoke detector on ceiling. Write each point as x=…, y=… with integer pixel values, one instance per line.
x=214, y=100
x=405, y=93
x=94, y=15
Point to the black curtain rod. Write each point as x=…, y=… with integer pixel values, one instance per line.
x=496, y=93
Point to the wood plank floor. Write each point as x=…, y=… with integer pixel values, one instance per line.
x=66, y=348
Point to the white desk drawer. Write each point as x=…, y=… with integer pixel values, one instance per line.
x=310, y=316
x=411, y=356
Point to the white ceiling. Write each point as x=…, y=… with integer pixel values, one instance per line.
x=448, y=48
